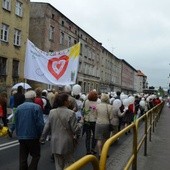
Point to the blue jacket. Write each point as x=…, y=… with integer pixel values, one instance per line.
x=29, y=121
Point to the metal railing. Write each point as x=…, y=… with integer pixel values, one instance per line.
x=150, y=119
x=83, y=162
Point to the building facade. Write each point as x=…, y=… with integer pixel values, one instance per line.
x=127, y=83
x=14, y=23
x=60, y=33
x=50, y=31
x=99, y=69
x=110, y=72
x=141, y=81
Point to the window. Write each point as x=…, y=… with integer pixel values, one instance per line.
x=4, y=32
x=51, y=33
x=69, y=28
x=62, y=23
x=81, y=46
x=17, y=37
x=52, y=16
x=69, y=41
x=3, y=66
x=18, y=8
x=15, y=66
x=6, y=4
x=62, y=38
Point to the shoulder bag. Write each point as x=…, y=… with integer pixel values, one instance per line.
x=110, y=125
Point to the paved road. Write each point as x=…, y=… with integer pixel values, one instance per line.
x=157, y=159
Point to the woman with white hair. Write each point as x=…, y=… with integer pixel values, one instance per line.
x=102, y=131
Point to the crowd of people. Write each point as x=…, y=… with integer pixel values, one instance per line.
x=65, y=117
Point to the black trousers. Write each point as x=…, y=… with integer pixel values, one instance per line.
x=29, y=147
x=89, y=129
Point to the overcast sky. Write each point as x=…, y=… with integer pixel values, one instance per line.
x=137, y=31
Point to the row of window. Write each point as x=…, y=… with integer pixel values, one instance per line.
x=4, y=34
x=6, y=4
x=69, y=27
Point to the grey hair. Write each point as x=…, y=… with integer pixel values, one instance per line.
x=30, y=94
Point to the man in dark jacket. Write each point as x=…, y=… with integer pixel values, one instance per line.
x=29, y=125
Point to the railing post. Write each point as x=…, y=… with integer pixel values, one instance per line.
x=153, y=122
x=146, y=135
x=135, y=145
x=150, y=130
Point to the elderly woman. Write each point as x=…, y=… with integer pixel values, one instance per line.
x=90, y=121
x=104, y=110
x=62, y=125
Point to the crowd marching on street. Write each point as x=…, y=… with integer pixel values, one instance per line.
x=64, y=117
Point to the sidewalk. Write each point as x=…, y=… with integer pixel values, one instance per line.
x=159, y=149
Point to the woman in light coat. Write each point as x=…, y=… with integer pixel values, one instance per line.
x=116, y=114
x=104, y=110
x=63, y=126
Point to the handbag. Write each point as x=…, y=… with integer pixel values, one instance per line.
x=110, y=125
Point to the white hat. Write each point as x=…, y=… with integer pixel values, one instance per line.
x=45, y=91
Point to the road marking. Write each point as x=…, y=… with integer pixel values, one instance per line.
x=9, y=145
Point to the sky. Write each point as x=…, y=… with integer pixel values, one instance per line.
x=137, y=31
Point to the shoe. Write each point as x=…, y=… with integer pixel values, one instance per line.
x=93, y=152
x=42, y=142
x=88, y=153
x=9, y=133
x=52, y=158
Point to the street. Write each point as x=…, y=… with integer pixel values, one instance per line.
x=119, y=153
x=9, y=151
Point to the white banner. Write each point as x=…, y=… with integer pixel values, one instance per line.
x=56, y=68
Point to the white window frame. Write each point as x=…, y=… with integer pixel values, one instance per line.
x=6, y=4
x=17, y=37
x=19, y=8
x=4, y=32
x=51, y=33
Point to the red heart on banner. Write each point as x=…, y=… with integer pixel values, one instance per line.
x=58, y=66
